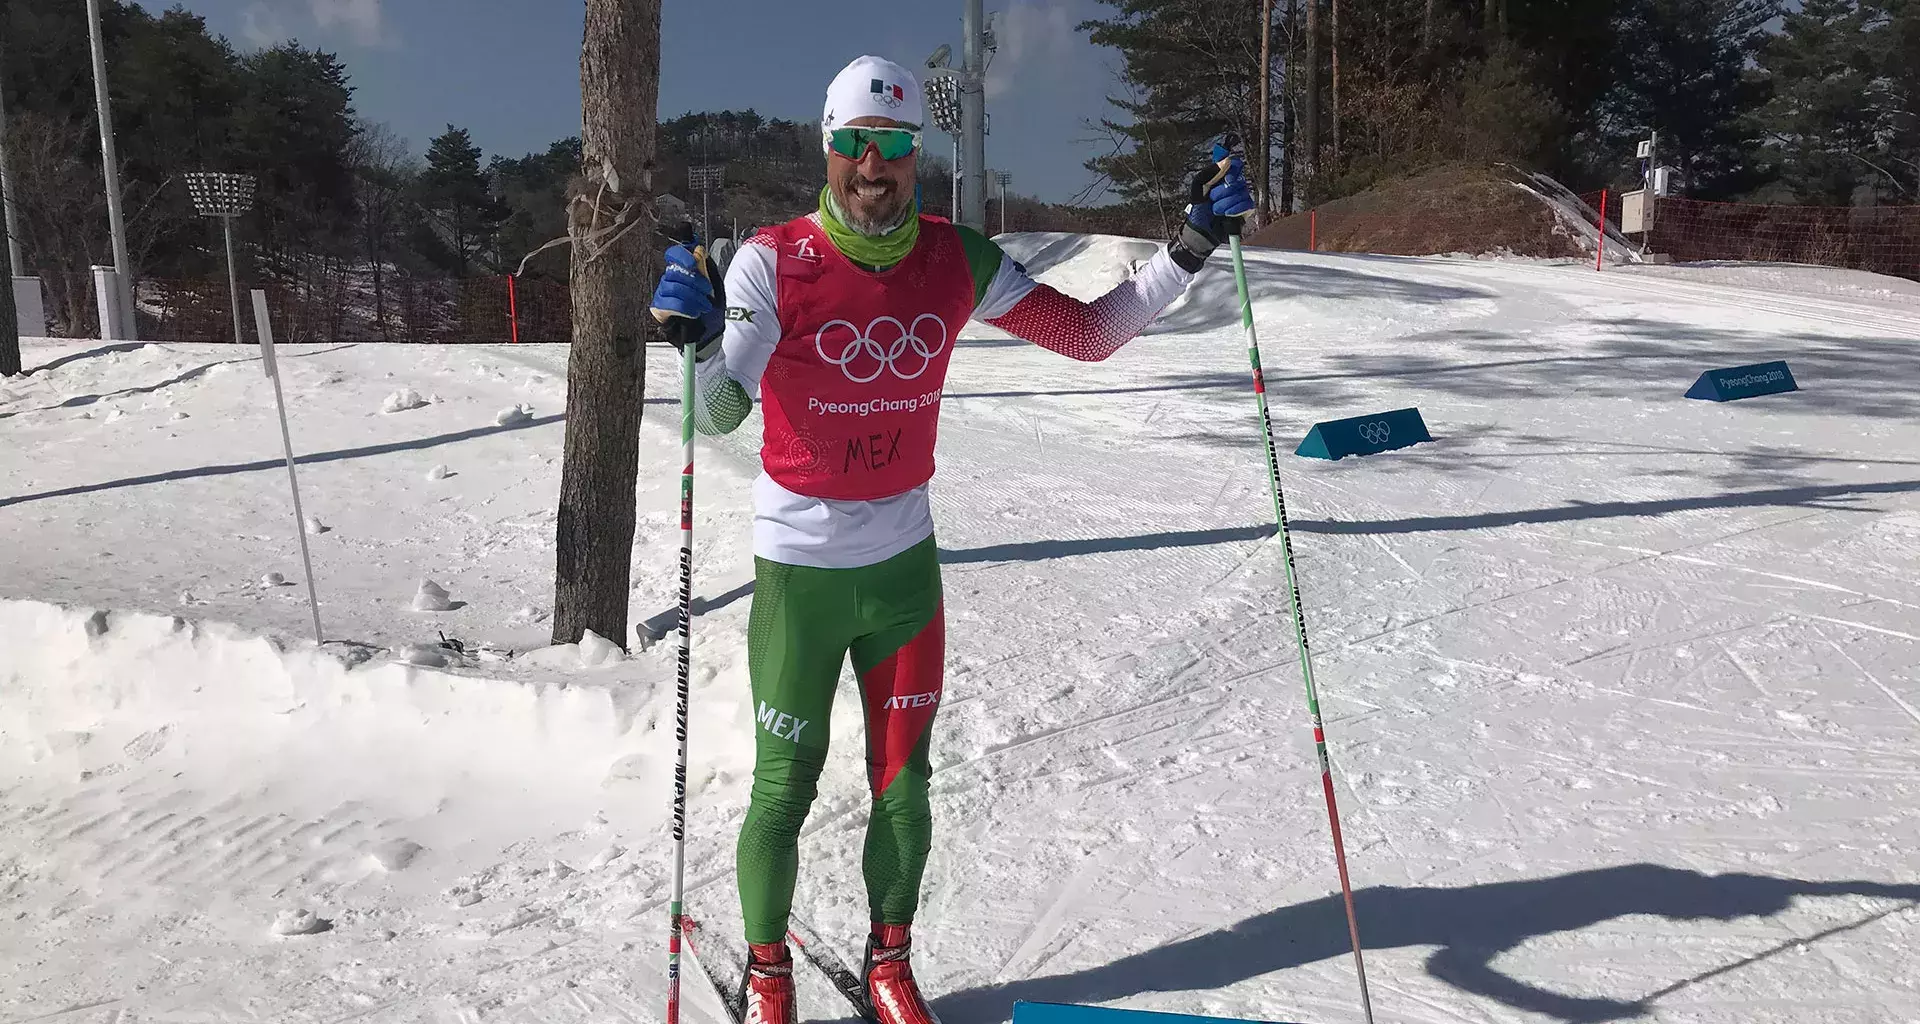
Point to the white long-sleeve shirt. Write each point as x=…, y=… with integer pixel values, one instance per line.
x=799, y=529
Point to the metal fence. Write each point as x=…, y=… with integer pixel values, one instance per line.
x=493, y=310
x=1881, y=239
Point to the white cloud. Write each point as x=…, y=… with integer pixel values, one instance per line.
x=363, y=20
x=262, y=26
x=266, y=23
x=1035, y=37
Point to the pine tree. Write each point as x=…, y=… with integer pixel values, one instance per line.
x=1681, y=72
x=533, y=189
x=1895, y=43
x=292, y=128
x=1576, y=43
x=1828, y=102
x=1196, y=67
x=455, y=192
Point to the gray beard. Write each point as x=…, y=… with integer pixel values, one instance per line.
x=869, y=228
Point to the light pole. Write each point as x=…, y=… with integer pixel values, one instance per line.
x=226, y=196
x=943, y=105
x=966, y=91
x=122, y=266
x=973, y=118
x=1005, y=178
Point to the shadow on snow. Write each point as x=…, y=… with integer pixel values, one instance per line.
x=1472, y=926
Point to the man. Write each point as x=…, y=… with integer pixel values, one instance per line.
x=840, y=324
x=720, y=251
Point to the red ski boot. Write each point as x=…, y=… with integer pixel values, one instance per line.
x=769, y=985
x=891, y=990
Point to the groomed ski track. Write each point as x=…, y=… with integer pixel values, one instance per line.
x=1621, y=688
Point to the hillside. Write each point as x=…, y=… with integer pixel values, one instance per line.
x=1458, y=208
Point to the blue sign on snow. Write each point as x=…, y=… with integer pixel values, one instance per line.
x=1364, y=435
x=1069, y=1013
x=1743, y=382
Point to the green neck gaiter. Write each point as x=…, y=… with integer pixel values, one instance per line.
x=878, y=252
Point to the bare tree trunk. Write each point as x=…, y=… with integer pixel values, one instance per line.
x=606, y=373
x=1426, y=28
x=9, y=318
x=1336, y=85
x=1289, y=144
x=1266, y=120
x=1159, y=187
x=1310, y=145
x=1492, y=16
x=379, y=283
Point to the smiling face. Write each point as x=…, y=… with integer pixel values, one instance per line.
x=875, y=196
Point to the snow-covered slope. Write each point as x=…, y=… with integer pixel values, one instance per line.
x=1621, y=688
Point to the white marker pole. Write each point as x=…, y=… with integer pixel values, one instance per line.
x=265, y=327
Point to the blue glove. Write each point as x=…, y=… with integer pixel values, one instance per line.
x=690, y=299
x=1232, y=197
x=1215, y=210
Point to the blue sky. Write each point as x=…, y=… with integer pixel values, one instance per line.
x=510, y=72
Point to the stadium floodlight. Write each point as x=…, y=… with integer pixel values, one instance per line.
x=943, y=104
x=226, y=196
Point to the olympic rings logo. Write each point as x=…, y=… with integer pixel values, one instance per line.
x=1376, y=433
x=863, y=346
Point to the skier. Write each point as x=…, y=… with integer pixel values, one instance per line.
x=721, y=252
x=840, y=324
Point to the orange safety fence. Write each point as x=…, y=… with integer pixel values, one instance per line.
x=403, y=308
x=352, y=306
x=1126, y=223
x=1881, y=239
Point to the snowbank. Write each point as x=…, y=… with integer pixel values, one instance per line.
x=1084, y=266
x=314, y=812
x=93, y=692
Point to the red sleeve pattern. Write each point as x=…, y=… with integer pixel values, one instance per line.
x=1092, y=331
x=1079, y=330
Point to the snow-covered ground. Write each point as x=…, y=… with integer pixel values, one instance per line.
x=1622, y=689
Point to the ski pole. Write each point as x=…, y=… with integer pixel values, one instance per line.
x=674, y=914
x=1234, y=225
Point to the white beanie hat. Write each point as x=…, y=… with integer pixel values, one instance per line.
x=873, y=87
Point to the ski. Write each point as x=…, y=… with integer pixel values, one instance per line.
x=823, y=958
x=724, y=971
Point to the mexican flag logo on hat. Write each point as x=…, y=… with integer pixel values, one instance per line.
x=873, y=87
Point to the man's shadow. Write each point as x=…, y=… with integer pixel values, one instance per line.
x=1472, y=925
